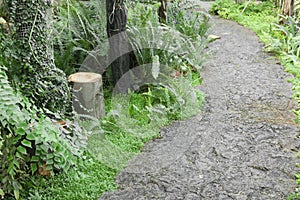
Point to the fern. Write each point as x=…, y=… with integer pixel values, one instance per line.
x=288, y=44
x=78, y=29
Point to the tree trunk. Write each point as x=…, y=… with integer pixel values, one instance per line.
x=40, y=79
x=287, y=7
x=162, y=11
x=116, y=31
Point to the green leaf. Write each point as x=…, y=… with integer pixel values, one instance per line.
x=34, y=159
x=17, y=138
x=30, y=136
x=26, y=143
x=17, y=164
x=17, y=194
x=49, y=167
x=50, y=156
x=18, y=155
x=33, y=167
x=21, y=150
x=58, y=159
x=11, y=169
x=49, y=162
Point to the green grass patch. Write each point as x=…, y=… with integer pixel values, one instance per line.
x=258, y=17
x=87, y=180
x=118, y=137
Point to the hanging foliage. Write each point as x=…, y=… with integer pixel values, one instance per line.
x=29, y=141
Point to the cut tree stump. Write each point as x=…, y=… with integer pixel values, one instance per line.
x=88, y=99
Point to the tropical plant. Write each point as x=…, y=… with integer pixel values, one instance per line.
x=187, y=22
x=29, y=140
x=288, y=41
x=78, y=28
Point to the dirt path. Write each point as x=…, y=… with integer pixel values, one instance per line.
x=242, y=146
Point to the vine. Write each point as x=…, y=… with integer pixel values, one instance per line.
x=28, y=140
x=33, y=67
x=32, y=89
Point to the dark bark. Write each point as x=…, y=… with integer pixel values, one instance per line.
x=162, y=11
x=116, y=31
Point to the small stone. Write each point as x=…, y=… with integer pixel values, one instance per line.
x=213, y=37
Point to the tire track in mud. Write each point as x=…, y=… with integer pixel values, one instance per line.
x=242, y=146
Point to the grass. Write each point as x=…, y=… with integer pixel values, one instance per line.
x=87, y=180
x=106, y=155
x=259, y=17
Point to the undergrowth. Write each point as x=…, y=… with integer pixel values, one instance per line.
x=133, y=119
x=257, y=16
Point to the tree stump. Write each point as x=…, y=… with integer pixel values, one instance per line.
x=87, y=90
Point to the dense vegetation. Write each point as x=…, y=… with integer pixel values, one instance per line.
x=46, y=151
x=281, y=35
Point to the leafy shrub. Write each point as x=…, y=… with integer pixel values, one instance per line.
x=28, y=140
x=140, y=14
x=228, y=9
x=225, y=9
x=189, y=23
x=178, y=44
x=78, y=27
x=286, y=44
x=288, y=40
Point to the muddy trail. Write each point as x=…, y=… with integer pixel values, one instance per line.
x=243, y=144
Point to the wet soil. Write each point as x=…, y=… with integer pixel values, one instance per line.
x=242, y=146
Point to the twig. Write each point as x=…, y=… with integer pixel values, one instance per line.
x=245, y=6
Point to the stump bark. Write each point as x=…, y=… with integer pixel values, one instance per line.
x=87, y=90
